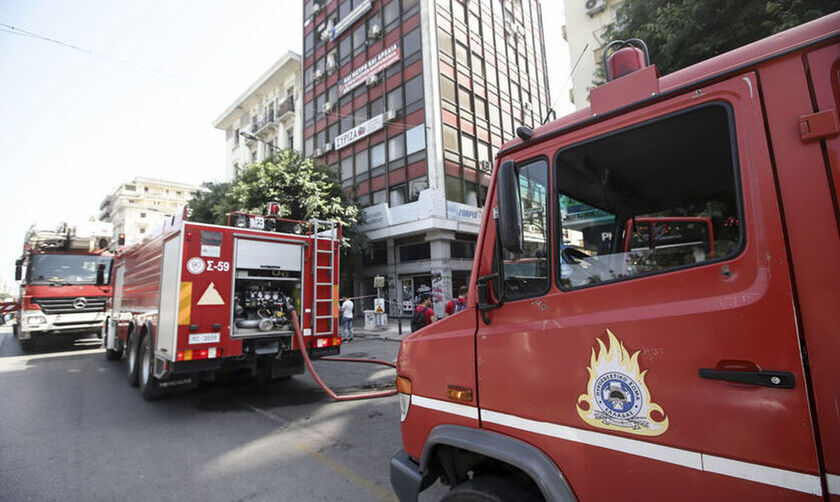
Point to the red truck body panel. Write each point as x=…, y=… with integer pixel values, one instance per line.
x=566, y=370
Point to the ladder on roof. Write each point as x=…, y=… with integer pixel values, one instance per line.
x=324, y=235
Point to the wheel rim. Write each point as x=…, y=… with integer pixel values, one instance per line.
x=132, y=359
x=144, y=368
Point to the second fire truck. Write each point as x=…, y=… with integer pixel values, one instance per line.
x=197, y=298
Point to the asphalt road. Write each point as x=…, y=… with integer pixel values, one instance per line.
x=71, y=428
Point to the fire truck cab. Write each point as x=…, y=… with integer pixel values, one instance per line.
x=674, y=333
x=64, y=279
x=197, y=298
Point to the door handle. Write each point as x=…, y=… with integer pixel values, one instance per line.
x=777, y=379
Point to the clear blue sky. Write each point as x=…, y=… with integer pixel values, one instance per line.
x=73, y=126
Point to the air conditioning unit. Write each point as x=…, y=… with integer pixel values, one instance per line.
x=328, y=106
x=317, y=152
x=484, y=165
x=331, y=67
x=328, y=146
x=389, y=115
x=595, y=6
x=372, y=80
x=374, y=32
x=319, y=74
x=316, y=8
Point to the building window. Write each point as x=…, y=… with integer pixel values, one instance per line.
x=464, y=100
x=414, y=90
x=450, y=138
x=396, y=196
x=142, y=215
x=395, y=101
x=359, y=39
x=445, y=42
x=480, y=108
x=411, y=43
x=454, y=189
x=462, y=54
x=396, y=148
x=379, y=197
x=392, y=13
x=377, y=155
x=361, y=162
x=347, y=168
x=447, y=89
x=415, y=139
x=415, y=252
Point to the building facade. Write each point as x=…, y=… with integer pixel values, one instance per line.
x=140, y=206
x=410, y=100
x=584, y=28
x=265, y=117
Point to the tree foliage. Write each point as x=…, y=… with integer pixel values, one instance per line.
x=680, y=33
x=304, y=189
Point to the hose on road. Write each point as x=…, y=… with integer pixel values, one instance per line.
x=333, y=395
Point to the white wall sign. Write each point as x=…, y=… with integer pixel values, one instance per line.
x=463, y=212
x=331, y=32
x=370, y=67
x=360, y=131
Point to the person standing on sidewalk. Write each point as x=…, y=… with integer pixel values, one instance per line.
x=458, y=304
x=424, y=314
x=347, y=319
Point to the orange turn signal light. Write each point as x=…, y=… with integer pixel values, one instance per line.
x=458, y=393
x=403, y=385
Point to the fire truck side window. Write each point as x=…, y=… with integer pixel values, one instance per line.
x=526, y=274
x=657, y=197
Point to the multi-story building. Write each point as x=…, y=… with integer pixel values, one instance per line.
x=265, y=117
x=409, y=100
x=584, y=28
x=138, y=207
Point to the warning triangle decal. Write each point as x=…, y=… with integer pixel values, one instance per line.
x=211, y=296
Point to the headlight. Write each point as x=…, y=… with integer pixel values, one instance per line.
x=405, y=403
x=36, y=320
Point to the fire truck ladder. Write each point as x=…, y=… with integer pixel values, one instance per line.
x=320, y=229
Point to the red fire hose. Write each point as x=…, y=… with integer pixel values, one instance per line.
x=333, y=395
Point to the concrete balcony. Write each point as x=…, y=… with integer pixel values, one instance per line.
x=431, y=211
x=286, y=109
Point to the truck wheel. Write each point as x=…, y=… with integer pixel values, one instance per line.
x=149, y=387
x=132, y=360
x=490, y=489
x=27, y=345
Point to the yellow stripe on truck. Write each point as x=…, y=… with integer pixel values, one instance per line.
x=335, y=301
x=185, y=303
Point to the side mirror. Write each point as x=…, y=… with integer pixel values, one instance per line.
x=100, y=274
x=509, y=223
x=18, y=269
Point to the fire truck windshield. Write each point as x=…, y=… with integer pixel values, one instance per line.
x=66, y=269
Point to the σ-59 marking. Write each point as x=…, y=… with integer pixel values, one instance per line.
x=218, y=266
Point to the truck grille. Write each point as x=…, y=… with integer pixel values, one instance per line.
x=68, y=305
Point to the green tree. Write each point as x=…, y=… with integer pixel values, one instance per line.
x=679, y=33
x=304, y=189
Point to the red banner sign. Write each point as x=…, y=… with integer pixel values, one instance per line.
x=371, y=67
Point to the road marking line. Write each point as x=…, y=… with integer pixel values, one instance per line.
x=47, y=355
x=349, y=474
x=340, y=468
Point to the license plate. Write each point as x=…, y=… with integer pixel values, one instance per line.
x=204, y=338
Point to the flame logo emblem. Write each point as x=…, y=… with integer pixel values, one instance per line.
x=617, y=398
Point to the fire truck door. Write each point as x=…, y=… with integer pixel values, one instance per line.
x=667, y=371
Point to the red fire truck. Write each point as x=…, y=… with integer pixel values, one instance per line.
x=196, y=298
x=66, y=282
x=710, y=373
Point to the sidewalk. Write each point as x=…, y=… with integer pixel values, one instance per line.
x=391, y=330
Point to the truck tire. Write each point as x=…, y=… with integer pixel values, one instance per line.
x=132, y=360
x=491, y=489
x=149, y=385
x=27, y=345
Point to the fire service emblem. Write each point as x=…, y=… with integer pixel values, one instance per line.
x=617, y=397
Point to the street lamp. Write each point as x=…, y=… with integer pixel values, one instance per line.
x=251, y=137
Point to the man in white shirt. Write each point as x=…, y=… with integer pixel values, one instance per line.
x=347, y=319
